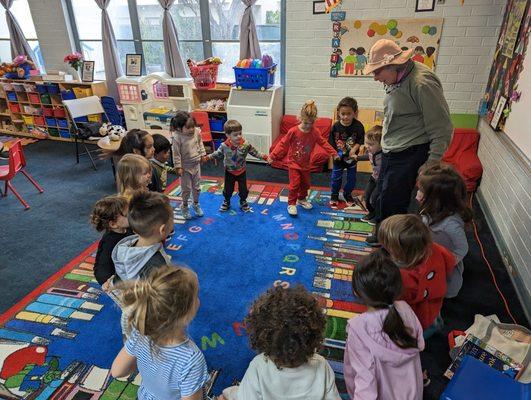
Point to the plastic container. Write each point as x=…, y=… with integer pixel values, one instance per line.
x=51, y=121
x=59, y=112
x=34, y=98
x=53, y=132
x=46, y=99
x=81, y=119
x=47, y=111
x=18, y=87
x=82, y=92
x=255, y=78
x=52, y=88
x=93, y=118
x=67, y=95
x=14, y=108
x=64, y=133
x=217, y=143
x=62, y=123
x=7, y=86
x=205, y=76
x=39, y=120
x=29, y=87
x=216, y=124
x=28, y=119
x=11, y=96
x=41, y=89
x=31, y=110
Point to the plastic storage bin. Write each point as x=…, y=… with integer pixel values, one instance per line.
x=32, y=110
x=47, y=111
x=255, y=78
x=41, y=89
x=205, y=76
x=93, y=118
x=34, y=98
x=51, y=121
x=11, y=96
x=67, y=95
x=59, y=112
x=82, y=92
x=216, y=124
x=18, y=87
x=29, y=87
x=53, y=132
x=46, y=99
x=7, y=86
x=52, y=88
x=14, y=108
x=217, y=143
x=28, y=119
x=64, y=133
x=81, y=119
x=39, y=120
x=62, y=123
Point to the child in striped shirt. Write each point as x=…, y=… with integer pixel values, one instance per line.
x=171, y=365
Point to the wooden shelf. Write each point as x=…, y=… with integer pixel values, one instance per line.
x=211, y=111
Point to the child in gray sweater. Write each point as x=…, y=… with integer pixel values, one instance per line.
x=188, y=152
x=442, y=204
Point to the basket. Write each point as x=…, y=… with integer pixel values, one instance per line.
x=82, y=92
x=255, y=78
x=205, y=76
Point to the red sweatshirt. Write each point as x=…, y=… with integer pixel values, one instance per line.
x=299, y=146
x=425, y=284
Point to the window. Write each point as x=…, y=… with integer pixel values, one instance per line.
x=21, y=11
x=214, y=33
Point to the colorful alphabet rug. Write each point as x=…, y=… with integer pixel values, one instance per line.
x=59, y=342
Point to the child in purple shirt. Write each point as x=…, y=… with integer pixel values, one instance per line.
x=382, y=358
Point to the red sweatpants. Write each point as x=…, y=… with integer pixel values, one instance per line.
x=299, y=183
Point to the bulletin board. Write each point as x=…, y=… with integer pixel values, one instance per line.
x=352, y=40
x=507, y=100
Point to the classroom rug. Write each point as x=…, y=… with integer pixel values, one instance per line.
x=60, y=340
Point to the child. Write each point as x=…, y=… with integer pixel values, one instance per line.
x=234, y=152
x=442, y=200
x=382, y=354
x=424, y=266
x=346, y=137
x=286, y=327
x=418, y=54
x=109, y=215
x=151, y=219
x=299, y=143
x=169, y=362
x=133, y=174
x=188, y=151
x=361, y=60
x=159, y=162
x=350, y=61
x=429, y=60
x=373, y=139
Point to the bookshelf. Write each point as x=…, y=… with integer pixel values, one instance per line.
x=216, y=117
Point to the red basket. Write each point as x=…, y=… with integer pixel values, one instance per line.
x=205, y=76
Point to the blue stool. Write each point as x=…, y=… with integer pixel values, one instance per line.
x=476, y=380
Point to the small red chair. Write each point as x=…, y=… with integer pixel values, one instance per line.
x=201, y=118
x=17, y=162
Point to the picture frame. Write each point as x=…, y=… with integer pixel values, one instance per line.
x=319, y=7
x=87, y=71
x=424, y=5
x=133, y=64
x=498, y=112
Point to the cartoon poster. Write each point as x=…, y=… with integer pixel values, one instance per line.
x=516, y=13
x=352, y=40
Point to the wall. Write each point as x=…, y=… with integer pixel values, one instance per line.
x=505, y=198
x=467, y=44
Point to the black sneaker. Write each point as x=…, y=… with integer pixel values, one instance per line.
x=245, y=206
x=368, y=217
x=372, y=241
x=225, y=206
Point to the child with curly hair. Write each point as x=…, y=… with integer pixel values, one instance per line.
x=286, y=327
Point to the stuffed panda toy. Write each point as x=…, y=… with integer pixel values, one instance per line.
x=115, y=132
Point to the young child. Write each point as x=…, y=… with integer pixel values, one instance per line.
x=109, y=215
x=346, y=137
x=159, y=162
x=299, y=143
x=442, y=201
x=286, y=327
x=382, y=354
x=188, y=151
x=424, y=266
x=151, y=219
x=169, y=362
x=373, y=139
x=234, y=152
x=133, y=174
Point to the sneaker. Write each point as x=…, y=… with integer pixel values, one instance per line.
x=292, y=210
x=305, y=204
x=372, y=241
x=225, y=206
x=368, y=217
x=197, y=210
x=186, y=213
x=245, y=206
x=334, y=200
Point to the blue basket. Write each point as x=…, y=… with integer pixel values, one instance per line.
x=51, y=121
x=81, y=119
x=255, y=78
x=217, y=143
x=62, y=123
x=64, y=133
x=11, y=96
x=216, y=124
x=68, y=95
x=41, y=89
x=52, y=88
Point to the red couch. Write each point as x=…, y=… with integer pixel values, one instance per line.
x=463, y=155
x=319, y=157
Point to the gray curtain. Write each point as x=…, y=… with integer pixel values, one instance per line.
x=249, y=46
x=19, y=44
x=111, y=57
x=172, y=55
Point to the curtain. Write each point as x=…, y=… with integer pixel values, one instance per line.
x=172, y=55
x=19, y=44
x=249, y=46
x=111, y=57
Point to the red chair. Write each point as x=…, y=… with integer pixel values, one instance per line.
x=201, y=118
x=17, y=162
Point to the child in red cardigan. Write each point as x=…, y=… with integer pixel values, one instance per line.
x=424, y=266
x=298, y=143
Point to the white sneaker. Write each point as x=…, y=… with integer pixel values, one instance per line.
x=186, y=213
x=292, y=210
x=197, y=209
x=305, y=204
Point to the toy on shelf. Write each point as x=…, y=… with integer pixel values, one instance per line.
x=214, y=105
x=19, y=69
x=114, y=132
x=204, y=73
x=143, y=97
x=255, y=73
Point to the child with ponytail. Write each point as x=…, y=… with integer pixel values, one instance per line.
x=382, y=358
x=298, y=143
x=161, y=306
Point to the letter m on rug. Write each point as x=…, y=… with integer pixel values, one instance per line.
x=211, y=342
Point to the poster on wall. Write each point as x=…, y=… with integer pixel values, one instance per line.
x=352, y=40
x=516, y=13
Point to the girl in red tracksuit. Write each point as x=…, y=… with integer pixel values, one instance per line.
x=299, y=143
